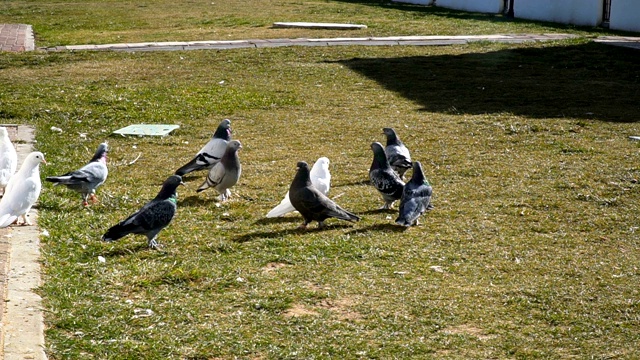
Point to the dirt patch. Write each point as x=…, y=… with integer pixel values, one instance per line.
x=468, y=330
x=273, y=266
x=298, y=310
x=342, y=308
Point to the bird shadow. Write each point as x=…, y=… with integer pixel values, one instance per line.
x=380, y=211
x=386, y=227
x=196, y=201
x=124, y=251
x=275, y=234
x=277, y=220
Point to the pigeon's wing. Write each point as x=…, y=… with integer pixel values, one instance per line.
x=387, y=182
x=153, y=216
x=400, y=161
x=209, y=155
x=93, y=173
x=19, y=200
x=216, y=174
x=283, y=208
x=415, y=201
x=316, y=204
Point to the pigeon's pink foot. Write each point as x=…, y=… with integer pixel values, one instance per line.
x=302, y=227
x=94, y=198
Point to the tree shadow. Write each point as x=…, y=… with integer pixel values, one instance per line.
x=589, y=81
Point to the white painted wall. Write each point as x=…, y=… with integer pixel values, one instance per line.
x=577, y=12
x=485, y=6
x=625, y=15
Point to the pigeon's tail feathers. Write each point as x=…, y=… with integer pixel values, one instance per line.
x=283, y=208
x=63, y=179
x=402, y=221
x=343, y=214
x=192, y=165
x=7, y=219
x=119, y=231
x=203, y=187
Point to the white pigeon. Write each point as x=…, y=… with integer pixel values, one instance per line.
x=8, y=158
x=321, y=180
x=22, y=191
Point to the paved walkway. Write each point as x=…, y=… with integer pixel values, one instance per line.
x=16, y=37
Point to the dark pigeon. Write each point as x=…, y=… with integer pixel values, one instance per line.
x=416, y=198
x=311, y=203
x=383, y=178
x=152, y=217
x=225, y=173
x=86, y=179
x=397, y=154
x=212, y=152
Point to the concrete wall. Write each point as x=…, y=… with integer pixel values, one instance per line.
x=625, y=15
x=485, y=6
x=577, y=12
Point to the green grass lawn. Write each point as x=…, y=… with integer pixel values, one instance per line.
x=532, y=250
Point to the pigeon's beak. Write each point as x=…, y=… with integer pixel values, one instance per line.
x=182, y=183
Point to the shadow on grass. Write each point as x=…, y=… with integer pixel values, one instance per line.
x=281, y=233
x=590, y=81
x=379, y=211
x=278, y=220
x=129, y=250
x=386, y=227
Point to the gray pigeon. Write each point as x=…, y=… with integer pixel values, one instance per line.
x=383, y=178
x=86, y=179
x=152, y=217
x=225, y=173
x=397, y=154
x=416, y=198
x=211, y=153
x=311, y=203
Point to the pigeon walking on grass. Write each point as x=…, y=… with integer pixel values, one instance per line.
x=8, y=158
x=211, y=153
x=225, y=173
x=22, y=191
x=311, y=203
x=152, y=217
x=86, y=179
x=383, y=178
x=397, y=154
x=416, y=198
x=321, y=180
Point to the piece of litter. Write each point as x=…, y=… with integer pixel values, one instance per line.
x=45, y=232
x=634, y=137
x=239, y=279
x=102, y=259
x=56, y=129
x=436, y=268
x=147, y=130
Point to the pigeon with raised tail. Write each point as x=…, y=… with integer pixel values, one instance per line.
x=86, y=179
x=384, y=178
x=212, y=152
x=321, y=180
x=416, y=198
x=22, y=191
x=311, y=203
x=152, y=217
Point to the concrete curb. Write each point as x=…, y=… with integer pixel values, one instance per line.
x=267, y=43
x=22, y=320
